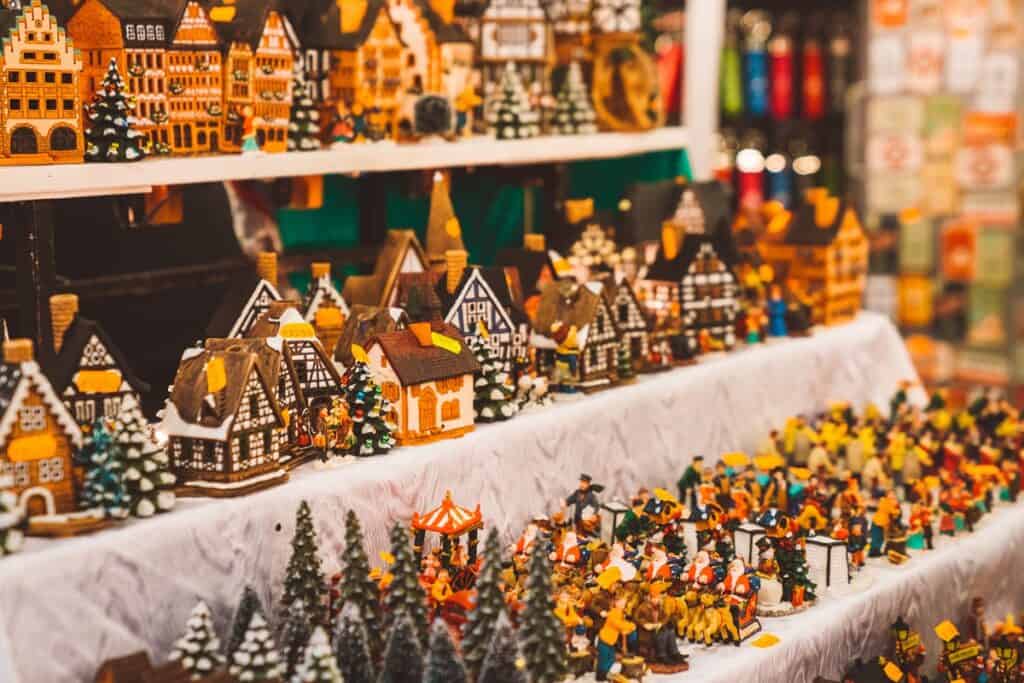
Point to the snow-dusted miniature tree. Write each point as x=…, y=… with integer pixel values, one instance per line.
x=256, y=659
x=103, y=487
x=248, y=605
x=357, y=586
x=368, y=410
x=198, y=650
x=304, y=577
x=403, y=656
x=351, y=648
x=148, y=480
x=493, y=393
x=542, y=634
x=304, y=124
x=110, y=134
x=490, y=605
x=443, y=663
x=510, y=114
x=504, y=663
x=10, y=520
x=295, y=634
x=405, y=594
x=318, y=665
x=574, y=114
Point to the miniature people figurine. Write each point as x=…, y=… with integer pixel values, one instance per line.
x=249, y=143
x=616, y=627
x=756, y=321
x=1007, y=665
x=567, y=355
x=586, y=506
x=888, y=507
x=776, y=313
x=921, y=517
x=908, y=652
x=770, y=593
x=700, y=572
x=690, y=480
x=656, y=640
x=467, y=101
x=565, y=610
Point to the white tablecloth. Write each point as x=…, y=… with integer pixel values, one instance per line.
x=67, y=605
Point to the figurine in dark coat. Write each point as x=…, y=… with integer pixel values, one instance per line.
x=586, y=506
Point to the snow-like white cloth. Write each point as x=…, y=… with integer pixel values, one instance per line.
x=68, y=605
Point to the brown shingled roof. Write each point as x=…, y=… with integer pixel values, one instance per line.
x=415, y=364
x=363, y=324
x=374, y=289
x=190, y=386
x=568, y=302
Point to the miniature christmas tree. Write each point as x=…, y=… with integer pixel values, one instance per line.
x=198, y=650
x=624, y=362
x=295, y=636
x=405, y=592
x=504, y=663
x=443, y=665
x=509, y=114
x=148, y=481
x=574, y=115
x=369, y=412
x=493, y=394
x=104, y=478
x=304, y=579
x=304, y=125
x=256, y=659
x=10, y=519
x=318, y=665
x=357, y=586
x=490, y=605
x=351, y=648
x=111, y=135
x=793, y=571
x=403, y=656
x=249, y=605
x=542, y=633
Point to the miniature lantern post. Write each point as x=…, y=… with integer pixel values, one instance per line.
x=574, y=115
x=405, y=599
x=198, y=650
x=828, y=561
x=403, y=656
x=493, y=394
x=490, y=605
x=256, y=659
x=103, y=488
x=510, y=115
x=745, y=538
x=111, y=135
x=148, y=480
x=443, y=664
x=358, y=589
x=304, y=579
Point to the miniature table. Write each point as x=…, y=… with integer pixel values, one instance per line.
x=68, y=605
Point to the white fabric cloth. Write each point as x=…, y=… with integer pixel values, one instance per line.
x=66, y=606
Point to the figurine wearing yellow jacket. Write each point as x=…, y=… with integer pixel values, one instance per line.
x=616, y=627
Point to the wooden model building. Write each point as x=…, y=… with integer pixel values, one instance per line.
x=222, y=421
x=821, y=253
x=363, y=324
x=630, y=319
x=318, y=25
x=367, y=64
x=87, y=370
x=325, y=307
x=195, y=88
x=246, y=299
x=38, y=436
x=134, y=33
x=426, y=371
x=401, y=253
x=533, y=267
x=41, y=120
x=444, y=233
x=439, y=53
x=583, y=308
x=517, y=32
x=418, y=297
x=259, y=44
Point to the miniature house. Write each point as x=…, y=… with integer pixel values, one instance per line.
x=195, y=88
x=630, y=320
x=439, y=53
x=532, y=265
x=87, y=371
x=41, y=120
x=570, y=20
x=137, y=668
x=616, y=17
x=426, y=372
x=584, y=307
x=401, y=253
x=38, y=436
x=318, y=26
x=444, y=233
x=259, y=44
x=417, y=296
x=517, y=32
x=363, y=324
x=325, y=307
x=368, y=57
x=248, y=297
x=745, y=539
x=135, y=34
x=821, y=253
x=221, y=421
x=475, y=296
x=827, y=562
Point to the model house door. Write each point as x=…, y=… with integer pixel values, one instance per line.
x=428, y=410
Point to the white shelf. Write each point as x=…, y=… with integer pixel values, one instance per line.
x=26, y=183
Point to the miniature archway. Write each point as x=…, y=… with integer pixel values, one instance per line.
x=63, y=139
x=24, y=141
x=27, y=496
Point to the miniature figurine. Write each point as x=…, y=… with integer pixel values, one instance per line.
x=776, y=312
x=616, y=628
x=586, y=514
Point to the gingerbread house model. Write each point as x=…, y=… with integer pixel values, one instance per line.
x=325, y=308
x=248, y=297
x=369, y=57
x=401, y=253
x=516, y=32
x=630, y=319
x=363, y=324
x=195, y=86
x=439, y=53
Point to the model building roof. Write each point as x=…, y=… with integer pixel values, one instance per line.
x=376, y=288
x=318, y=24
x=364, y=323
x=443, y=31
x=245, y=24
x=62, y=367
x=673, y=270
x=144, y=9
x=267, y=357
x=443, y=230
x=529, y=264
x=418, y=296
x=645, y=207
x=805, y=230
x=15, y=381
x=415, y=363
x=238, y=297
x=572, y=304
x=498, y=281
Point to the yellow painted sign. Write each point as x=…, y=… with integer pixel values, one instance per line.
x=359, y=354
x=98, y=381
x=216, y=377
x=447, y=343
x=297, y=331
x=30, y=448
x=452, y=227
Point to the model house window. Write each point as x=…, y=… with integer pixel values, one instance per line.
x=254, y=406
x=159, y=32
x=15, y=104
x=243, y=448
x=111, y=405
x=208, y=455
x=150, y=32
x=51, y=470
x=31, y=76
x=13, y=76
x=129, y=31
x=32, y=418
x=390, y=391
x=17, y=473
x=450, y=410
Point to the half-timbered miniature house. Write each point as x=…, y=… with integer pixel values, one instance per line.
x=38, y=436
x=821, y=253
x=41, y=117
x=195, y=90
x=135, y=34
x=369, y=57
x=221, y=421
x=401, y=253
x=248, y=297
x=318, y=26
x=515, y=31
x=426, y=371
x=566, y=304
x=630, y=320
x=87, y=369
x=259, y=44
x=363, y=324
x=439, y=53
x=326, y=308
x=444, y=233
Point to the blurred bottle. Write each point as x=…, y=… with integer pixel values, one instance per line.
x=840, y=62
x=780, y=56
x=756, y=27
x=813, y=70
x=731, y=82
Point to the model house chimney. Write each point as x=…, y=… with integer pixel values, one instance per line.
x=422, y=332
x=266, y=266
x=320, y=269
x=534, y=241
x=445, y=9
x=455, y=261
x=18, y=351
x=63, y=309
x=669, y=240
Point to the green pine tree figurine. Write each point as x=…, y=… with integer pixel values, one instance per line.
x=509, y=114
x=11, y=535
x=357, y=586
x=148, y=480
x=304, y=579
x=257, y=659
x=504, y=662
x=247, y=606
x=403, y=656
x=793, y=571
x=405, y=592
x=198, y=650
x=369, y=411
x=111, y=134
x=318, y=665
x=574, y=115
x=490, y=605
x=493, y=393
x=624, y=362
x=351, y=648
x=294, y=638
x=103, y=488
x=443, y=665
x=542, y=634
x=304, y=125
